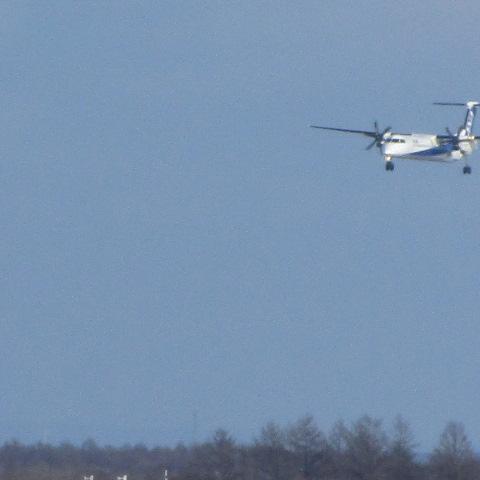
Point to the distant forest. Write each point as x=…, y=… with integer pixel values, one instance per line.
x=301, y=451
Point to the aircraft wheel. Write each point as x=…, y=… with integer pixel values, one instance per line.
x=467, y=170
x=389, y=166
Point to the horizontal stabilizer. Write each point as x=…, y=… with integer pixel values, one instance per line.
x=469, y=104
x=471, y=110
x=455, y=104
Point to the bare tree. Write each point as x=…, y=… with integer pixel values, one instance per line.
x=401, y=464
x=337, y=445
x=214, y=460
x=223, y=455
x=453, y=459
x=307, y=443
x=272, y=459
x=365, y=450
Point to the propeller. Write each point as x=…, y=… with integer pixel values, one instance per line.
x=379, y=138
x=456, y=139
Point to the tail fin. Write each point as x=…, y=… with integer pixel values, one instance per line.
x=472, y=109
x=466, y=129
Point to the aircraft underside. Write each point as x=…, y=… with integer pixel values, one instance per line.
x=438, y=155
x=389, y=165
x=431, y=158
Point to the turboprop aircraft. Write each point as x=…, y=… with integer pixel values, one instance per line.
x=423, y=146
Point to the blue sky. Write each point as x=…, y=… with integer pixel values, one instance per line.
x=175, y=239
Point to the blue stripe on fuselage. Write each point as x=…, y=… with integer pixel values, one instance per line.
x=441, y=150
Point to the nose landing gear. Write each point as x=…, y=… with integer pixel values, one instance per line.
x=389, y=166
x=467, y=170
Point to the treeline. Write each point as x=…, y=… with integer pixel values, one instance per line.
x=363, y=450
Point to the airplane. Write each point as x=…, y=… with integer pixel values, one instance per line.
x=423, y=146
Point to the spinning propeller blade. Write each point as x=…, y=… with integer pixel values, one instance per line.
x=379, y=137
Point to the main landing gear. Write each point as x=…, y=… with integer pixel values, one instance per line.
x=389, y=166
x=467, y=170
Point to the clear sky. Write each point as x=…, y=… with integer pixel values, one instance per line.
x=175, y=239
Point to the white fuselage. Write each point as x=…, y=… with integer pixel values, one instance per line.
x=420, y=146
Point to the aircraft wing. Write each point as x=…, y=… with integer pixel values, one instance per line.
x=345, y=130
x=452, y=137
